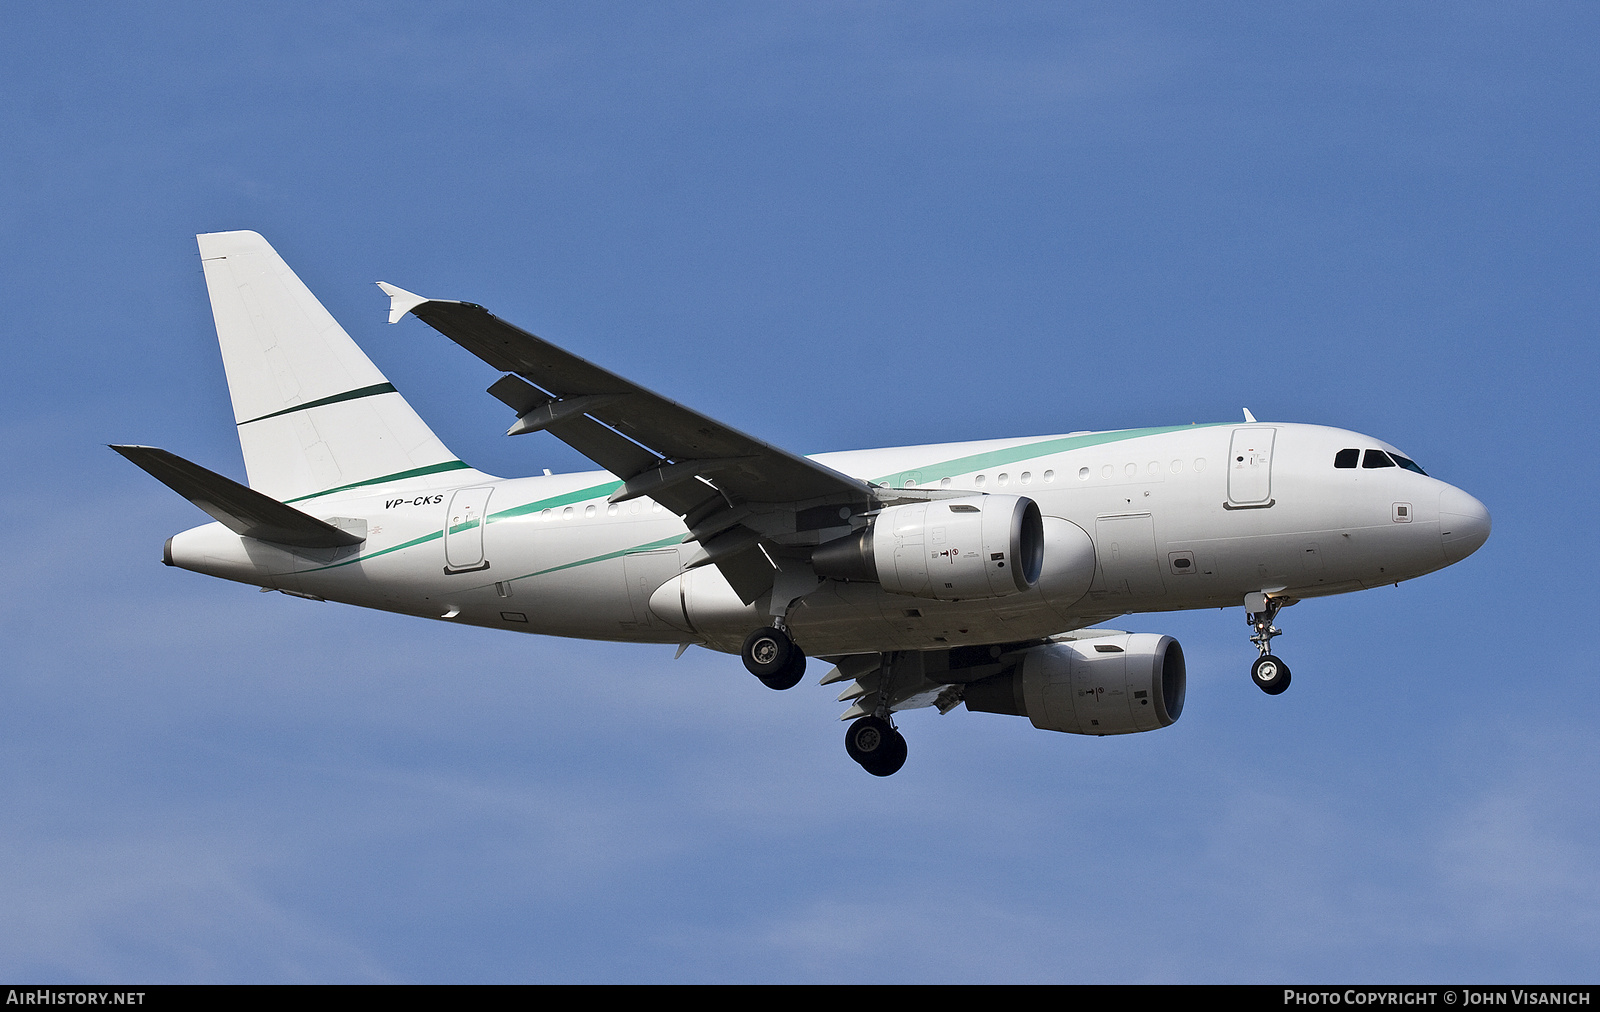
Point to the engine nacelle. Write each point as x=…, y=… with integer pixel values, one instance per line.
x=1107, y=685
x=972, y=548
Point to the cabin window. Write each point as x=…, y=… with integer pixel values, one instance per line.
x=1376, y=458
x=1347, y=458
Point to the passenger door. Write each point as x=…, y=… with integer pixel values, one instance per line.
x=463, y=530
x=1250, y=467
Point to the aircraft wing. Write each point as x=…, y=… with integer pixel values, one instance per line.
x=733, y=490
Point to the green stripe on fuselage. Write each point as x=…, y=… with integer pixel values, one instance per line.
x=563, y=499
x=1013, y=454
x=676, y=539
x=373, y=555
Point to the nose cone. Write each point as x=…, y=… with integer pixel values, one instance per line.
x=1463, y=523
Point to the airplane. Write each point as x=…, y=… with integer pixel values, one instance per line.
x=972, y=573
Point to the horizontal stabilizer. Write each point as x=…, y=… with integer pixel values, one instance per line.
x=242, y=510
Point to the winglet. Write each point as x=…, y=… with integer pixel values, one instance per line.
x=401, y=301
x=1247, y=415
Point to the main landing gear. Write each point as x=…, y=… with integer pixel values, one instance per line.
x=1269, y=673
x=876, y=745
x=872, y=740
x=773, y=657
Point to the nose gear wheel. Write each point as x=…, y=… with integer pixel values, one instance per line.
x=1269, y=673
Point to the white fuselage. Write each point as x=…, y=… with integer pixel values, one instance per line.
x=1136, y=520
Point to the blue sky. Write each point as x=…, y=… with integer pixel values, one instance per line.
x=834, y=226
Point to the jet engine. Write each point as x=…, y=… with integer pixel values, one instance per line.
x=974, y=547
x=1115, y=684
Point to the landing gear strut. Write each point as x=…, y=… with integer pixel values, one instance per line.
x=1269, y=673
x=772, y=656
x=873, y=740
x=876, y=745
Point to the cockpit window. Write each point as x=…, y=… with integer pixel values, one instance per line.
x=1375, y=459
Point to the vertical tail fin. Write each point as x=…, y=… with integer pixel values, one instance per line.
x=314, y=414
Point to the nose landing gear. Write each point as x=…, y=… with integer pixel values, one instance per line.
x=1269, y=673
